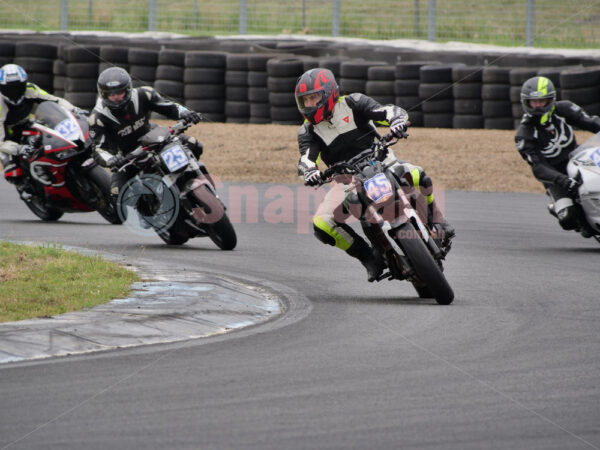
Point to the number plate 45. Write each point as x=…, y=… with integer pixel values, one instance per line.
x=379, y=188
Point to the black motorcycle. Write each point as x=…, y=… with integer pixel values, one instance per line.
x=391, y=222
x=172, y=192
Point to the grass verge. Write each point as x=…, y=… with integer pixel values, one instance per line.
x=45, y=280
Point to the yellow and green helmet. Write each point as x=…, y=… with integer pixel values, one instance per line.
x=538, y=88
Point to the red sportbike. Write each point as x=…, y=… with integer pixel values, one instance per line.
x=61, y=173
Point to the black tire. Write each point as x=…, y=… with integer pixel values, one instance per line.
x=437, y=120
x=467, y=74
x=467, y=90
x=170, y=89
x=169, y=72
x=352, y=85
x=35, y=49
x=258, y=79
x=467, y=121
x=578, y=78
x=237, y=62
x=285, y=67
x=31, y=64
x=445, y=105
x=496, y=108
x=203, y=91
x=205, y=59
x=373, y=88
x=495, y=92
x=495, y=75
x=46, y=213
x=81, y=70
x=409, y=70
x=168, y=57
x=99, y=178
x=143, y=57
x=358, y=69
x=435, y=91
x=406, y=88
x=425, y=266
x=469, y=107
x=436, y=73
x=204, y=75
x=381, y=73
x=220, y=231
x=172, y=237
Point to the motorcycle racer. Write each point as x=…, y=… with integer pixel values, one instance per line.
x=122, y=115
x=18, y=99
x=336, y=129
x=545, y=138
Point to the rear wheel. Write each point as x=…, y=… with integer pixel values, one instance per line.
x=44, y=212
x=434, y=283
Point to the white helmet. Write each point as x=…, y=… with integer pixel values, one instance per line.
x=13, y=82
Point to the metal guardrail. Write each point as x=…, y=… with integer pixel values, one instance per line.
x=541, y=23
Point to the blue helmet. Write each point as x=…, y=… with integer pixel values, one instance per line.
x=13, y=83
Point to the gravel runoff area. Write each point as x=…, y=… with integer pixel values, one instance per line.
x=472, y=160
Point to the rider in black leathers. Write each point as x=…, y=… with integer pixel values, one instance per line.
x=122, y=115
x=336, y=129
x=545, y=138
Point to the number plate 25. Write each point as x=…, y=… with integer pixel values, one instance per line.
x=174, y=157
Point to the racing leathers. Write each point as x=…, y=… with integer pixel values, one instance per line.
x=116, y=131
x=348, y=131
x=13, y=120
x=545, y=145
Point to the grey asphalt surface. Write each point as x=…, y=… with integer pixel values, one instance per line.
x=512, y=364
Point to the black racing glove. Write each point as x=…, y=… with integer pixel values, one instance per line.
x=190, y=116
x=25, y=150
x=569, y=184
x=116, y=161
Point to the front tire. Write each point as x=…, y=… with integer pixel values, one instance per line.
x=100, y=181
x=220, y=231
x=46, y=213
x=425, y=266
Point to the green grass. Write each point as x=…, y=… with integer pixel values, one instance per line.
x=558, y=23
x=45, y=280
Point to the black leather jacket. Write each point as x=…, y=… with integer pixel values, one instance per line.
x=119, y=130
x=546, y=147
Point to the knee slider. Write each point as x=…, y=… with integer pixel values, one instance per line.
x=568, y=218
x=323, y=236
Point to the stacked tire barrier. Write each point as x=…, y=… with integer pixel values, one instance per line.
x=495, y=93
x=281, y=83
x=142, y=66
x=37, y=58
x=517, y=77
x=380, y=84
x=169, y=75
x=466, y=90
x=229, y=80
x=204, y=83
x=582, y=86
x=354, y=75
x=113, y=57
x=7, y=52
x=406, y=89
x=435, y=90
x=81, y=68
x=237, y=105
x=258, y=92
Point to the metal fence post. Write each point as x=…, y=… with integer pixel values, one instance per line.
x=152, y=16
x=335, y=18
x=64, y=15
x=530, y=23
x=431, y=20
x=243, y=16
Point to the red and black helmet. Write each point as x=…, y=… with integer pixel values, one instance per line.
x=314, y=81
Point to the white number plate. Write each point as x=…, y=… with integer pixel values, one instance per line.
x=174, y=157
x=68, y=129
x=379, y=188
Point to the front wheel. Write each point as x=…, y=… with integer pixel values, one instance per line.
x=44, y=212
x=214, y=219
x=223, y=234
x=434, y=282
x=100, y=182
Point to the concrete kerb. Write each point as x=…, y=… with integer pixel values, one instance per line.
x=167, y=306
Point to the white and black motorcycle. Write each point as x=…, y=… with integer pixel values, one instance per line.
x=171, y=192
x=584, y=166
x=389, y=214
